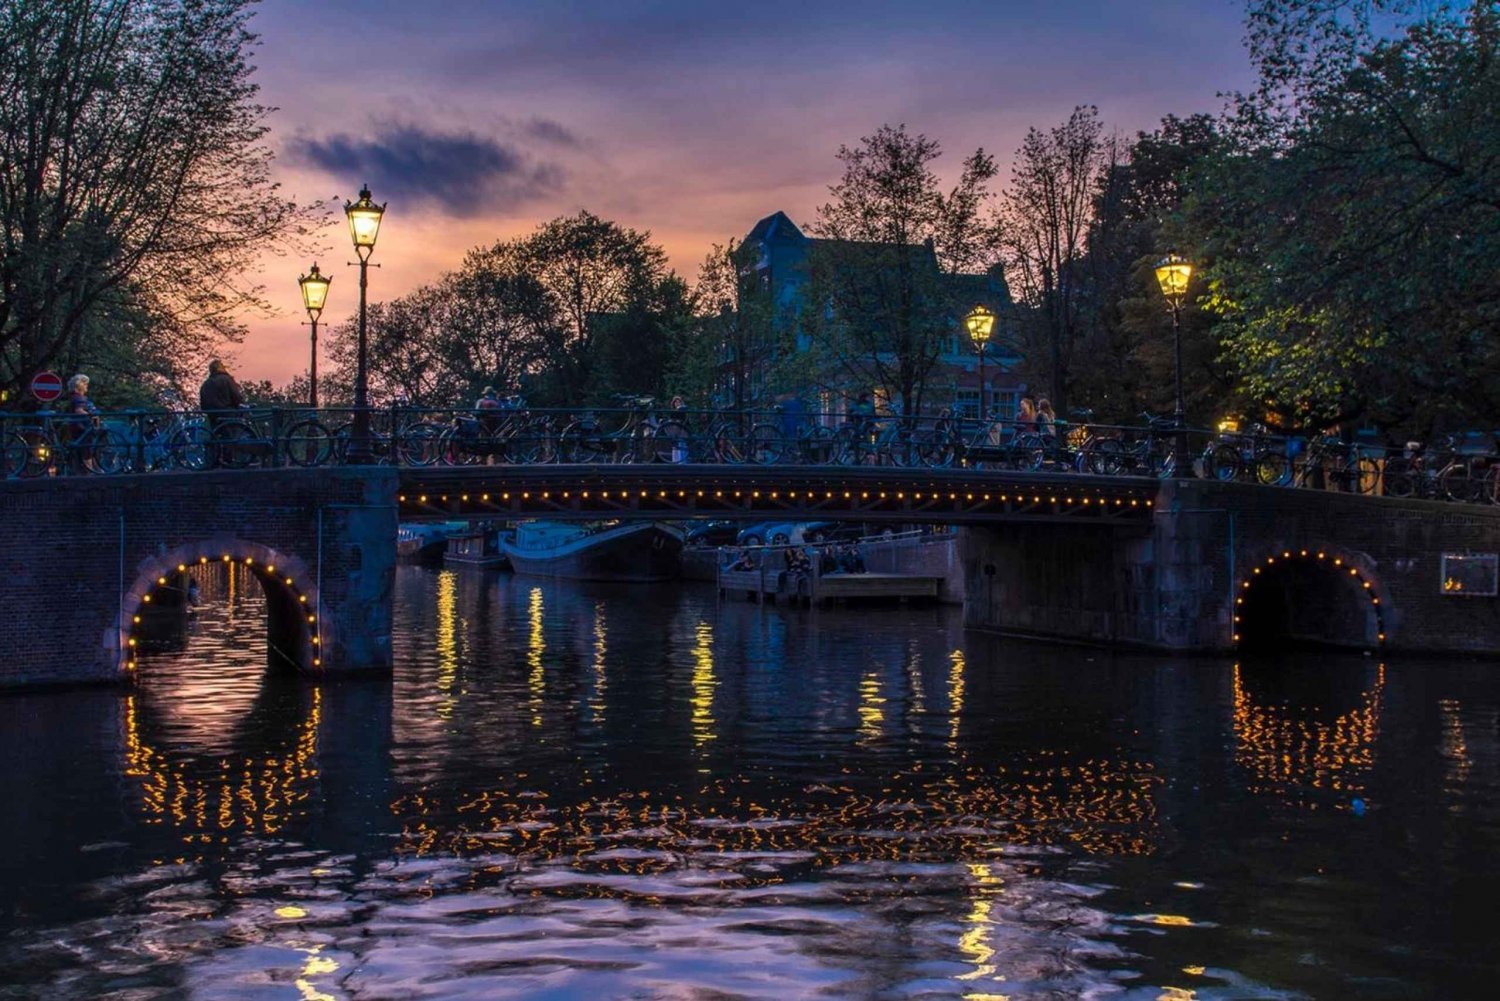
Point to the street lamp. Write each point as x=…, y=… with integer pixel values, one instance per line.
x=1172, y=274
x=364, y=225
x=314, y=294
x=980, y=323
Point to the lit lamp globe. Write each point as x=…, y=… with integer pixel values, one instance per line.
x=1172, y=274
x=315, y=290
x=981, y=324
x=364, y=223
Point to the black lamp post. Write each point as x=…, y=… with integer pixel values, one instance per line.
x=981, y=324
x=1172, y=274
x=364, y=226
x=314, y=286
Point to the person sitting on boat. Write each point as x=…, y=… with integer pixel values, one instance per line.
x=851, y=561
x=827, y=562
x=742, y=561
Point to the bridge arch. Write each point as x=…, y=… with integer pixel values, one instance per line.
x=1309, y=597
x=295, y=631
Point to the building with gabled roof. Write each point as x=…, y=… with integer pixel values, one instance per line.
x=779, y=252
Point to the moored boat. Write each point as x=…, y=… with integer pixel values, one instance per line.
x=624, y=551
x=476, y=549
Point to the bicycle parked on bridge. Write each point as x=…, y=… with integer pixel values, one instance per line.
x=1462, y=468
x=58, y=444
x=254, y=437
x=640, y=437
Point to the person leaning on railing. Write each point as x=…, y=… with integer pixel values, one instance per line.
x=219, y=394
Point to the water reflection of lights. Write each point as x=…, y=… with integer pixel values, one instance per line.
x=704, y=684
x=601, y=648
x=536, y=645
x=316, y=965
x=1284, y=754
x=871, y=707
x=259, y=795
x=1454, y=747
x=447, y=640
x=956, y=667
x=974, y=942
x=914, y=675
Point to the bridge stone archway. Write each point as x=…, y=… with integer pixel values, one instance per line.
x=295, y=629
x=1309, y=597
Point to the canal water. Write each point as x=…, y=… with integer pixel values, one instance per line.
x=609, y=792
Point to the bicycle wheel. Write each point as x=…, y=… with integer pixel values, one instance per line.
x=308, y=443
x=233, y=444
x=580, y=443
x=421, y=444
x=15, y=454
x=105, y=452
x=454, y=448
x=845, y=449
x=764, y=447
x=1456, y=484
x=189, y=447
x=1223, y=463
x=726, y=446
x=1273, y=469
x=670, y=442
x=1104, y=457
x=1400, y=478
x=1030, y=451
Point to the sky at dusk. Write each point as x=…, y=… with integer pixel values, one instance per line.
x=478, y=120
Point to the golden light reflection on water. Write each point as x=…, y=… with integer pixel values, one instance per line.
x=1454, y=747
x=704, y=684
x=601, y=650
x=871, y=707
x=316, y=965
x=955, y=695
x=974, y=942
x=254, y=794
x=1286, y=753
x=447, y=640
x=914, y=676
x=536, y=646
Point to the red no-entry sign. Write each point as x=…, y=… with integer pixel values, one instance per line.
x=47, y=386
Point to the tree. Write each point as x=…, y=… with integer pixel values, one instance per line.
x=135, y=178
x=735, y=343
x=591, y=268
x=1352, y=224
x=497, y=317
x=1125, y=328
x=881, y=310
x=1045, y=218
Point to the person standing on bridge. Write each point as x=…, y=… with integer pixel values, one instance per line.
x=219, y=392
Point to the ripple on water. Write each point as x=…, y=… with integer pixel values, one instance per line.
x=572, y=792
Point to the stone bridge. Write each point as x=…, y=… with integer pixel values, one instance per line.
x=92, y=565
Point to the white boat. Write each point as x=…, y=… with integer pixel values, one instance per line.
x=625, y=551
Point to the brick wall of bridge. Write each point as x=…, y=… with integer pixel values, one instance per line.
x=77, y=558
x=1174, y=584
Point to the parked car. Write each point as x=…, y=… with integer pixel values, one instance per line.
x=753, y=535
x=705, y=534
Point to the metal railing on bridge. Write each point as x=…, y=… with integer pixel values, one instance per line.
x=53, y=444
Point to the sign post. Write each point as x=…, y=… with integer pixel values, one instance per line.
x=46, y=386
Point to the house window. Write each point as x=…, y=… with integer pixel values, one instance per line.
x=967, y=401
x=1470, y=576
x=1003, y=403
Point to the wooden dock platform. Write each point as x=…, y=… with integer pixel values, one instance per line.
x=773, y=584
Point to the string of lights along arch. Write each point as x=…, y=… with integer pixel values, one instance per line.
x=268, y=575
x=1341, y=565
